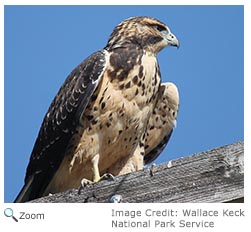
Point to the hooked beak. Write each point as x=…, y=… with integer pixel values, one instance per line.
x=172, y=40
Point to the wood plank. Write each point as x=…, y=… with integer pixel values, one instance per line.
x=216, y=175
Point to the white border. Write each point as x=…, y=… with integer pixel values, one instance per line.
x=247, y=116
x=97, y=216
x=2, y=100
x=125, y=2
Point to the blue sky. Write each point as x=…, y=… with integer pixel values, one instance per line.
x=44, y=43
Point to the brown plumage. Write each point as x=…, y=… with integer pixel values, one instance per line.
x=102, y=117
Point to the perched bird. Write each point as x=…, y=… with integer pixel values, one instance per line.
x=111, y=115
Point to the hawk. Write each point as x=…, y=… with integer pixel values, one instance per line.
x=111, y=115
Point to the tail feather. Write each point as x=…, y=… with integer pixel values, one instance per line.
x=25, y=193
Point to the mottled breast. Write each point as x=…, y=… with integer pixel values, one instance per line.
x=117, y=114
x=120, y=108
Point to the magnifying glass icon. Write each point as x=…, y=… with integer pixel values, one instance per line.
x=8, y=212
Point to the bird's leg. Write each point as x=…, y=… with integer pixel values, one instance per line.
x=96, y=175
x=95, y=170
x=107, y=176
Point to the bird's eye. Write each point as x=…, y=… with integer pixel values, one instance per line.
x=160, y=27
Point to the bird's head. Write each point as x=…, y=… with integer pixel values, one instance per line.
x=147, y=33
